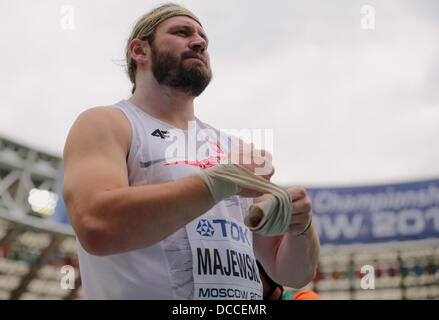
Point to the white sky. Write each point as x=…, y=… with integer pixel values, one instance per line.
x=347, y=106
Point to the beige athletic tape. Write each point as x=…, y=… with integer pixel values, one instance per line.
x=269, y=217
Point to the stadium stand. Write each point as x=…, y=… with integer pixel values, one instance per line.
x=33, y=247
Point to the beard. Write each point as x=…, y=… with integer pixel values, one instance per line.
x=171, y=71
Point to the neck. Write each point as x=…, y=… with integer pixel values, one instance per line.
x=167, y=104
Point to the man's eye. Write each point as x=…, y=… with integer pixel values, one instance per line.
x=181, y=32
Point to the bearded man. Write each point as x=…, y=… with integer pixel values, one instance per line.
x=153, y=224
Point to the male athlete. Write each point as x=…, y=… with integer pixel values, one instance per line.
x=156, y=224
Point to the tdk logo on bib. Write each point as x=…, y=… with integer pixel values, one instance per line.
x=205, y=229
x=229, y=229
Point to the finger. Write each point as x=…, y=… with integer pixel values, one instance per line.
x=244, y=146
x=297, y=193
x=265, y=172
x=268, y=176
x=263, y=163
x=301, y=206
x=300, y=217
x=266, y=154
x=262, y=153
x=260, y=156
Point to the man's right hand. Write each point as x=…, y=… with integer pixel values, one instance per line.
x=257, y=161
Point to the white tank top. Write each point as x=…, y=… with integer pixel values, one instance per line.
x=210, y=258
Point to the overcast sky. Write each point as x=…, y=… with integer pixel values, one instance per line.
x=348, y=106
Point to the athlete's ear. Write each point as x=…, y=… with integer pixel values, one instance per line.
x=140, y=51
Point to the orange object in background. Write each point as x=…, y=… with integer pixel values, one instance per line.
x=306, y=295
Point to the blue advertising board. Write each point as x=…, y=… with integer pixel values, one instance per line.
x=372, y=214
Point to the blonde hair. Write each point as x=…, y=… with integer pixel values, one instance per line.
x=145, y=28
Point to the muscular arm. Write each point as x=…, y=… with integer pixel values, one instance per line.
x=107, y=215
x=289, y=259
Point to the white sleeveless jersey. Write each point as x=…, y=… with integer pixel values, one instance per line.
x=210, y=258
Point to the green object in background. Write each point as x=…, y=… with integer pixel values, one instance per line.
x=404, y=271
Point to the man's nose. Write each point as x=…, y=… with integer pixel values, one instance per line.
x=198, y=44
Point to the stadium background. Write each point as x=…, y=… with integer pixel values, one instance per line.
x=352, y=106
x=36, y=240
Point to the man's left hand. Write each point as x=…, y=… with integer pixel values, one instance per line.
x=302, y=210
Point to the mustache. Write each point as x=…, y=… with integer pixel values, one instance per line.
x=192, y=54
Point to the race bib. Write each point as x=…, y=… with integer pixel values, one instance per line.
x=224, y=266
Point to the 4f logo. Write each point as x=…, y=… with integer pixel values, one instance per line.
x=161, y=134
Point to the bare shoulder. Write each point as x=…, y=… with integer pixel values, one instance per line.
x=105, y=118
x=103, y=125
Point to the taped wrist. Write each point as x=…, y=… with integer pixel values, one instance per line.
x=219, y=187
x=269, y=217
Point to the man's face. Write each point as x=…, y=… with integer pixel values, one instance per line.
x=179, y=55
